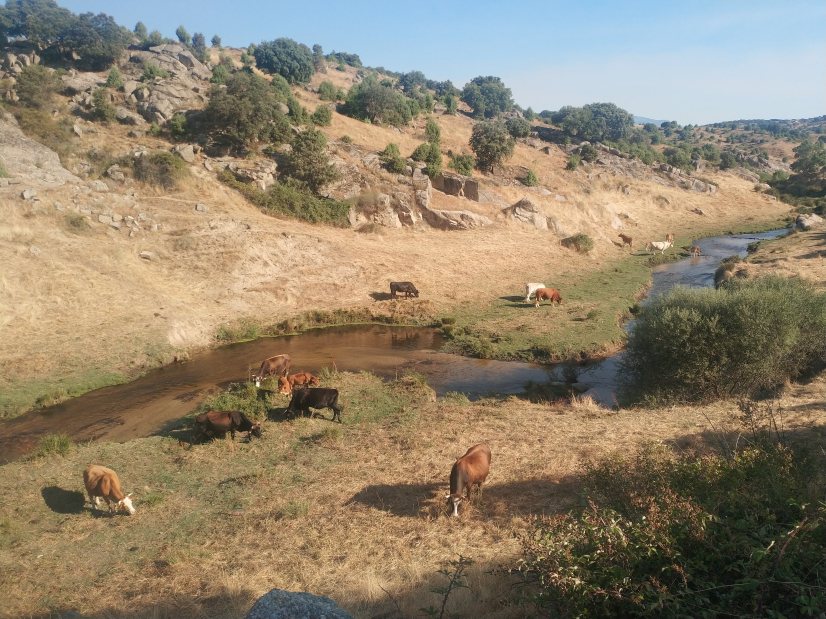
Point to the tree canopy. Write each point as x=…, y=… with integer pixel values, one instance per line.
x=293, y=61
x=492, y=144
x=594, y=122
x=487, y=96
x=373, y=101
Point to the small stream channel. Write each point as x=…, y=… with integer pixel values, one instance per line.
x=149, y=404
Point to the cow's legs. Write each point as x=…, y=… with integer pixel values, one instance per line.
x=336, y=413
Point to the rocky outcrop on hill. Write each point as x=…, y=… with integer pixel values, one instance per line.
x=526, y=212
x=456, y=185
x=12, y=63
x=454, y=220
x=280, y=604
x=808, y=221
x=28, y=161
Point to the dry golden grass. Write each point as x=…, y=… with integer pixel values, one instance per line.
x=802, y=254
x=355, y=512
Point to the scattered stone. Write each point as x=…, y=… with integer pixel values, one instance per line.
x=115, y=173
x=34, y=250
x=148, y=255
x=280, y=604
x=105, y=219
x=77, y=130
x=116, y=225
x=457, y=185
x=59, y=206
x=526, y=212
x=29, y=194
x=99, y=185
x=201, y=207
x=185, y=152
x=808, y=221
x=117, y=217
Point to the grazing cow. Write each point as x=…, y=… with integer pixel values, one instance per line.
x=286, y=384
x=670, y=237
x=314, y=397
x=695, y=251
x=626, y=240
x=103, y=482
x=530, y=288
x=407, y=288
x=661, y=245
x=214, y=424
x=470, y=470
x=548, y=294
x=278, y=365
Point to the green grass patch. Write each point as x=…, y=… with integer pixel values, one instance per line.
x=57, y=444
x=3, y=172
x=20, y=397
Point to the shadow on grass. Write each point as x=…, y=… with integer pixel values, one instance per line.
x=63, y=501
x=380, y=296
x=397, y=499
x=517, y=299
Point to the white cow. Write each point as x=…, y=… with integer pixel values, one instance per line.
x=661, y=245
x=530, y=288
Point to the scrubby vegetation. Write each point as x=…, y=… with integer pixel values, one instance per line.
x=491, y=143
x=487, y=96
x=580, y=242
x=161, y=168
x=293, y=61
x=392, y=159
x=308, y=161
x=741, y=533
x=698, y=345
x=379, y=103
x=463, y=163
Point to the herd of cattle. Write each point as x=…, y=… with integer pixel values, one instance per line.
x=469, y=471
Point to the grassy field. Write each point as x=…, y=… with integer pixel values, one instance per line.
x=353, y=511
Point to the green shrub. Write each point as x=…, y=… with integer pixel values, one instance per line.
x=432, y=131
x=77, y=223
x=308, y=161
x=491, y=143
x=59, y=444
x=373, y=101
x=684, y=536
x=237, y=397
x=114, y=79
x=102, y=108
x=36, y=85
x=220, y=73
x=56, y=133
x=518, y=127
x=293, y=201
x=487, y=96
x=151, y=71
x=293, y=61
x=322, y=116
x=392, y=159
x=161, y=168
x=346, y=139
x=328, y=92
x=177, y=126
x=3, y=172
x=421, y=153
x=589, y=153
x=573, y=162
x=698, y=345
x=530, y=179
x=580, y=242
x=463, y=163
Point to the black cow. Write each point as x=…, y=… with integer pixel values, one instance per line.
x=214, y=424
x=405, y=287
x=314, y=397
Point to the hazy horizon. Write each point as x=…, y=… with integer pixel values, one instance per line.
x=712, y=63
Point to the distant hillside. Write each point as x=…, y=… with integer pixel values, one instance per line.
x=642, y=120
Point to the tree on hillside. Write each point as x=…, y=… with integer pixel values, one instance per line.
x=216, y=41
x=594, y=122
x=308, y=161
x=182, y=34
x=409, y=82
x=492, y=144
x=373, y=101
x=293, y=61
x=199, y=46
x=97, y=39
x=140, y=31
x=246, y=111
x=487, y=96
x=319, y=64
x=811, y=158
x=518, y=127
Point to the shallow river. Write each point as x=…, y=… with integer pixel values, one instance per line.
x=154, y=402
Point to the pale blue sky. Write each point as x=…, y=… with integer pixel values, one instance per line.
x=695, y=61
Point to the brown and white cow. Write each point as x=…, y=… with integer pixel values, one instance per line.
x=103, y=482
x=548, y=294
x=470, y=470
x=278, y=365
x=286, y=384
x=670, y=237
x=530, y=288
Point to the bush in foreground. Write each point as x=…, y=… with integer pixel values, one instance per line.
x=681, y=536
x=698, y=345
x=161, y=168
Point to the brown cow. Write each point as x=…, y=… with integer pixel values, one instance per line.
x=695, y=251
x=670, y=237
x=626, y=240
x=470, y=470
x=548, y=294
x=103, y=482
x=278, y=365
x=214, y=424
x=286, y=384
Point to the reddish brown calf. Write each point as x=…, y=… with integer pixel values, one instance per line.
x=548, y=294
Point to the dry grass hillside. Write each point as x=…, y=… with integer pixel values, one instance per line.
x=80, y=306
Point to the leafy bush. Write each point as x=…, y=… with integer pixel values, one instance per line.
x=346, y=139
x=462, y=163
x=594, y=122
x=161, y=168
x=373, y=101
x=36, y=85
x=308, y=161
x=345, y=58
x=589, y=153
x=698, y=345
x=182, y=34
x=102, y=108
x=293, y=61
x=328, y=92
x=392, y=159
x=518, y=127
x=220, y=74
x=580, y=242
x=530, y=179
x=679, y=536
x=114, y=79
x=573, y=162
x=199, y=46
x=491, y=143
x=215, y=41
x=178, y=127
x=293, y=201
x=487, y=96
x=421, y=153
x=56, y=133
x=432, y=131
x=237, y=397
x=322, y=116
x=151, y=71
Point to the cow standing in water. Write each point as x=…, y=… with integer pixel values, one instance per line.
x=279, y=365
x=470, y=470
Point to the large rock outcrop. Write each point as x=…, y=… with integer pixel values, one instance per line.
x=526, y=212
x=280, y=604
x=30, y=161
x=456, y=185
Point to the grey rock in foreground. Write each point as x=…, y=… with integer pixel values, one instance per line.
x=278, y=604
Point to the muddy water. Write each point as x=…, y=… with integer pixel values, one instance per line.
x=148, y=405
x=604, y=377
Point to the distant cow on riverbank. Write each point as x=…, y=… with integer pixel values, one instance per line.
x=655, y=245
x=407, y=288
x=470, y=470
x=278, y=365
x=314, y=397
x=286, y=384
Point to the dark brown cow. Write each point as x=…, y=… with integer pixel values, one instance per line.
x=626, y=240
x=314, y=397
x=470, y=470
x=278, y=365
x=548, y=294
x=286, y=384
x=407, y=288
x=214, y=424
